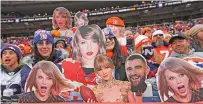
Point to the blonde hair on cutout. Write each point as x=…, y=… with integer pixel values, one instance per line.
x=102, y=61
x=52, y=71
x=178, y=65
x=66, y=14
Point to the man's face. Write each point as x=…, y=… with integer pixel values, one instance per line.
x=9, y=58
x=180, y=46
x=136, y=71
x=158, y=38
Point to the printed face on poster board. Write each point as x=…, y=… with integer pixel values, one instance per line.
x=47, y=83
x=136, y=69
x=178, y=79
x=88, y=41
x=80, y=19
x=61, y=18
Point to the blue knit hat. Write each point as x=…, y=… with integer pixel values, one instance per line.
x=107, y=31
x=14, y=48
x=42, y=35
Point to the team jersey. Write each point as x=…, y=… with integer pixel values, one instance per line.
x=13, y=82
x=164, y=50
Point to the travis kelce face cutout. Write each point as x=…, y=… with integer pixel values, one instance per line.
x=136, y=69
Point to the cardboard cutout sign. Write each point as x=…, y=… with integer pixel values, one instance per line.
x=88, y=41
x=197, y=61
x=136, y=70
x=177, y=79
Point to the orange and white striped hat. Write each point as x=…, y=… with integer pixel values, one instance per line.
x=140, y=39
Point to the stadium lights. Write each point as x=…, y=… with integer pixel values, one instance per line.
x=160, y=5
x=17, y=20
x=188, y=5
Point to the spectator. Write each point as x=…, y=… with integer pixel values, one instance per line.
x=60, y=43
x=180, y=46
x=13, y=74
x=147, y=32
x=114, y=52
x=21, y=46
x=43, y=49
x=196, y=33
x=117, y=26
x=160, y=45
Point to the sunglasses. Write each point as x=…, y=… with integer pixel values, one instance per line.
x=158, y=35
x=41, y=43
x=110, y=38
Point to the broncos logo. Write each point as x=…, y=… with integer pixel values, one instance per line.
x=43, y=36
x=197, y=61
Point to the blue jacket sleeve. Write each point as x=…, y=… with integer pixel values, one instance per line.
x=24, y=74
x=60, y=68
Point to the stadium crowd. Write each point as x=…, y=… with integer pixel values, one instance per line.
x=131, y=62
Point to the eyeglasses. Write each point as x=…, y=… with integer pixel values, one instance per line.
x=158, y=35
x=41, y=43
x=110, y=38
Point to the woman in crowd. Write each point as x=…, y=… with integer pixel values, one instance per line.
x=88, y=41
x=147, y=31
x=117, y=26
x=114, y=52
x=43, y=47
x=48, y=83
x=180, y=79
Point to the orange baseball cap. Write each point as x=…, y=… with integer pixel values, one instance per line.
x=115, y=21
